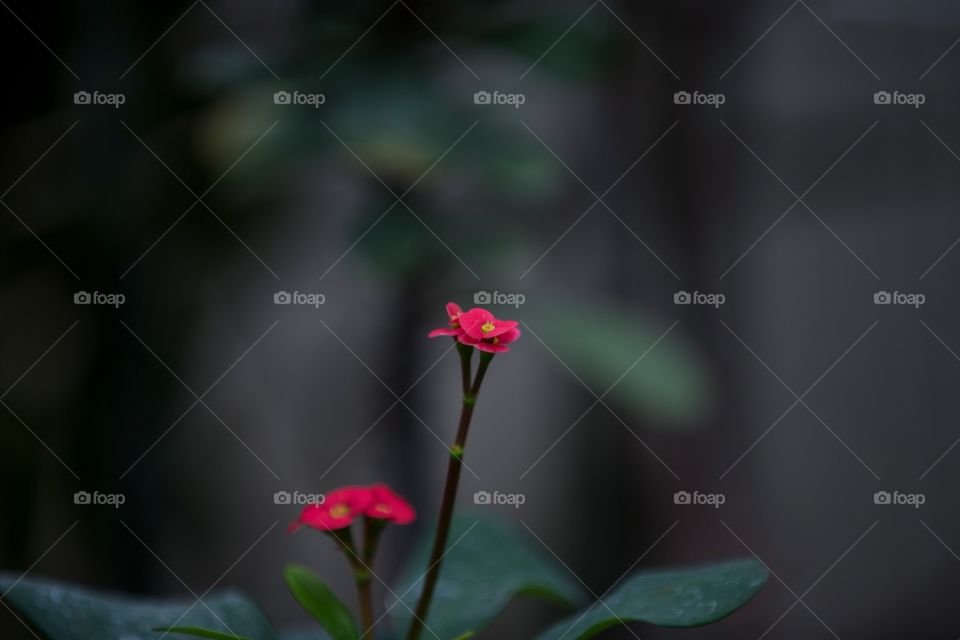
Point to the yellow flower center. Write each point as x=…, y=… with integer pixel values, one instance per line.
x=487, y=327
x=381, y=508
x=340, y=511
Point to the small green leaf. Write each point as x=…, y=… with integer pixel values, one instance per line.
x=67, y=612
x=674, y=598
x=468, y=634
x=200, y=633
x=320, y=602
x=487, y=564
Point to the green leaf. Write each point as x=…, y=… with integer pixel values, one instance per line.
x=487, y=564
x=200, y=633
x=673, y=598
x=67, y=612
x=320, y=602
x=468, y=634
x=670, y=387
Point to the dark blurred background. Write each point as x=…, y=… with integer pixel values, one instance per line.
x=597, y=200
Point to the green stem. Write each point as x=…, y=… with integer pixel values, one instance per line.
x=449, y=491
x=361, y=573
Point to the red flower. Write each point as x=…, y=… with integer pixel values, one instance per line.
x=485, y=332
x=337, y=511
x=387, y=505
x=453, y=311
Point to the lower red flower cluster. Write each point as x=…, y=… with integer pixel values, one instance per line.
x=341, y=506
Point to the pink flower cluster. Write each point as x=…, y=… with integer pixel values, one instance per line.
x=341, y=506
x=478, y=328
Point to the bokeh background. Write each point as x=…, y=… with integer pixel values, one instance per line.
x=597, y=200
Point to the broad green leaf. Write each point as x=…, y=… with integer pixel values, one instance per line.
x=200, y=633
x=670, y=385
x=67, y=612
x=487, y=564
x=307, y=634
x=320, y=602
x=673, y=598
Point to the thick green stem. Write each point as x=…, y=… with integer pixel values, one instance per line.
x=449, y=490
